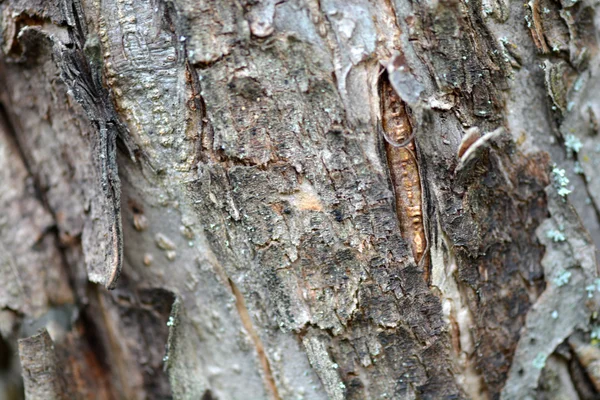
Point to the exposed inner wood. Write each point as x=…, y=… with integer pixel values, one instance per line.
x=404, y=170
x=257, y=161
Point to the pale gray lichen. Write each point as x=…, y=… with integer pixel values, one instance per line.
x=595, y=334
x=573, y=144
x=561, y=181
x=559, y=176
x=578, y=83
x=578, y=169
x=564, y=192
x=562, y=278
x=556, y=236
x=539, y=361
x=590, y=289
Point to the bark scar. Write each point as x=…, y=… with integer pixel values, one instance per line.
x=404, y=170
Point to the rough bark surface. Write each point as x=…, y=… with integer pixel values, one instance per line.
x=299, y=199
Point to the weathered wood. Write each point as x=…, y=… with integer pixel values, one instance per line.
x=303, y=199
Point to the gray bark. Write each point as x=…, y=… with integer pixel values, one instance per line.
x=299, y=199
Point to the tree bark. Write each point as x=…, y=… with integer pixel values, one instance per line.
x=299, y=199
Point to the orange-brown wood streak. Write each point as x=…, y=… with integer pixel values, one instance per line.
x=404, y=171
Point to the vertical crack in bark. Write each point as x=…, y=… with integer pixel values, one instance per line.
x=240, y=304
x=459, y=317
x=204, y=139
x=117, y=346
x=404, y=171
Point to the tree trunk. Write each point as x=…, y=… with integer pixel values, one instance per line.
x=299, y=199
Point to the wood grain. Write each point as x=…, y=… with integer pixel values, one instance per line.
x=404, y=170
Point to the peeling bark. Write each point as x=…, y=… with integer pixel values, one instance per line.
x=299, y=199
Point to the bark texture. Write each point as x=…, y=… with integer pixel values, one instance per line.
x=299, y=199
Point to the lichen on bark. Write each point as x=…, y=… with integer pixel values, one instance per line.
x=265, y=251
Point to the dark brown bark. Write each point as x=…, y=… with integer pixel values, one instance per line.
x=299, y=199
